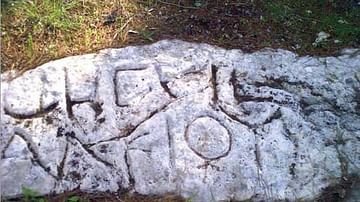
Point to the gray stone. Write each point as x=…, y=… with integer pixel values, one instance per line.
x=191, y=119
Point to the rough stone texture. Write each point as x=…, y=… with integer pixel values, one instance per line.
x=192, y=119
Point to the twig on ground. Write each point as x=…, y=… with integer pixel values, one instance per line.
x=171, y=4
x=123, y=27
x=177, y=5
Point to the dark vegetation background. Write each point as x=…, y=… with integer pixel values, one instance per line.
x=37, y=31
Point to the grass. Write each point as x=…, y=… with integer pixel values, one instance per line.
x=30, y=195
x=37, y=31
x=339, y=18
x=34, y=32
x=47, y=16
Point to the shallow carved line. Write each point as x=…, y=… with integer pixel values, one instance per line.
x=257, y=151
x=69, y=102
x=130, y=129
x=248, y=98
x=37, y=114
x=140, y=136
x=97, y=108
x=213, y=81
x=69, y=106
x=115, y=92
x=91, y=152
x=147, y=151
x=60, y=167
x=271, y=82
x=41, y=99
x=67, y=95
x=276, y=115
x=200, y=72
x=285, y=79
x=167, y=89
x=199, y=154
x=115, y=83
x=234, y=118
x=163, y=84
x=128, y=69
x=6, y=146
x=35, y=157
x=289, y=135
x=153, y=113
x=170, y=144
x=234, y=83
x=357, y=99
x=96, y=83
x=257, y=156
x=131, y=177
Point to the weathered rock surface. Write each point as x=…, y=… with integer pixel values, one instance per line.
x=192, y=119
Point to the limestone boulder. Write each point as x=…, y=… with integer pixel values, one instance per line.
x=192, y=119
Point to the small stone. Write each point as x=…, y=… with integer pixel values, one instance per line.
x=321, y=37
